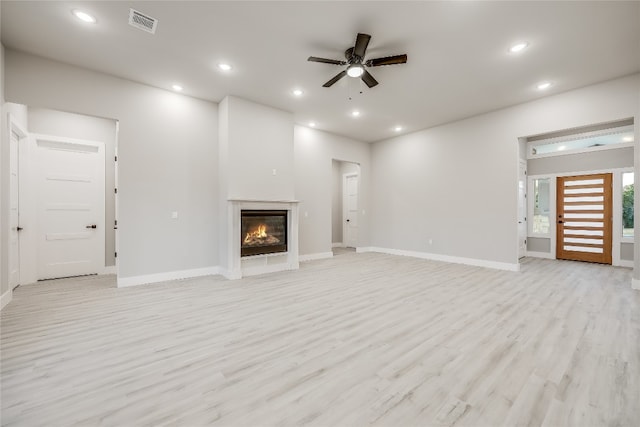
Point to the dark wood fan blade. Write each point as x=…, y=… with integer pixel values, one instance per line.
x=326, y=61
x=368, y=79
x=335, y=79
x=388, y=60
x=362, y=41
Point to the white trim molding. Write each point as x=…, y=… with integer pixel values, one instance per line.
x=111, y=269
x=319, y=255
x=7, y=297
x=635, y=284
x=124, y=282
x=444, y=258
x=624, y=263
x=545, y=255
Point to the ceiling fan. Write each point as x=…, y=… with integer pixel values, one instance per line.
x=356, y=62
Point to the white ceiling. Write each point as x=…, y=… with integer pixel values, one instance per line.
x=458, y=66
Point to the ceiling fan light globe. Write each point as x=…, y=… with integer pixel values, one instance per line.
x=355, y=71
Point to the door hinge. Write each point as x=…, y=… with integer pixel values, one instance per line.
x=525, y=241
x=115, y=255
x=115, y=190
x=115, y=158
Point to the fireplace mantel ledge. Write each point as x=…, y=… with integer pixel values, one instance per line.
x=262, y=201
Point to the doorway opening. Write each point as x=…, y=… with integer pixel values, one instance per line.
x=66, y=199
x=344, y=206
x=581, y=188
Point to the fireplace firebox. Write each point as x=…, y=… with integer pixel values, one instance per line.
x=263, y=232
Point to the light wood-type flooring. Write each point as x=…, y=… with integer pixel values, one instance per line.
x=356, y=340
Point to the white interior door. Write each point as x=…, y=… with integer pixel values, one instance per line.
x=350, y=203
x=70, y=187
x=14, y=215
x=522, y=209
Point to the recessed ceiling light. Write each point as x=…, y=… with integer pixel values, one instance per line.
x=84, y=16
x=224, y=67
x=397, y=128
x=562, y=147
x=355, y=113
x=518, y=47
x=177, y=88
x=312, y=124
x=628, y=139
x=297, y=92
x=543, y=85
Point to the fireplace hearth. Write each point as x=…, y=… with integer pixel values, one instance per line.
x=263, y=232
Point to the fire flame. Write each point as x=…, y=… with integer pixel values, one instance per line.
x=258, y=233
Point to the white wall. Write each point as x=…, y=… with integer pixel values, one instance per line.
x=80, y=126
x=314, y=153
x=259, y=142
x=167, y=159
x=457, y=183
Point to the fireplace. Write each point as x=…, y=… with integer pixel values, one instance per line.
x=263, y=232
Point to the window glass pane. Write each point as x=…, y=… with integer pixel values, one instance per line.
x=627, y=204
x=607, y=138
x=541, y=219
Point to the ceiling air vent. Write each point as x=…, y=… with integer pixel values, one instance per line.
x=142, y=21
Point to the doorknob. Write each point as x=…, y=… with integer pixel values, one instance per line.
x=91, y=226
x=19, y=228
x=348, y=220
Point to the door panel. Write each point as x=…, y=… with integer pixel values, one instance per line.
x=14, y=240
x=584, y=218
x=71, y=202
x=351, y=210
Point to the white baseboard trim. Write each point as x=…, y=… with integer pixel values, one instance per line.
x=635, y=284
x=124, y=282
x=444, y=258
x=319, y=255
x=109, y=270
x=624, y=263
x=545, y=255
x=6, y=298
x=364, y=249
x=337, y=245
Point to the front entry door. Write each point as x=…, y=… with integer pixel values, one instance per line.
x=70, y=188
x=584, y=217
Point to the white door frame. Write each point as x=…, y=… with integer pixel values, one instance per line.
x=522, y=205
x=345, y=208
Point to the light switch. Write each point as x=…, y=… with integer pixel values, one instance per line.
x=174, y=215
x=275, y=172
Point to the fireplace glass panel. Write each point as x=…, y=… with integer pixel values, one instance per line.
x=263, y=232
